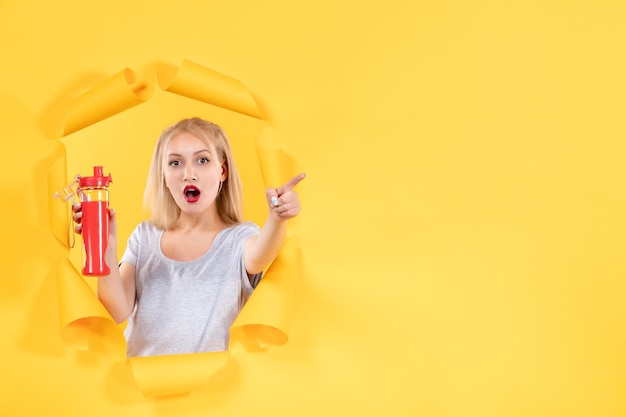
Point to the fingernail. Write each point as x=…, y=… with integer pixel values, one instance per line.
x=274, y=201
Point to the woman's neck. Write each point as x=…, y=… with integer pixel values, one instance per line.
x=208, y=221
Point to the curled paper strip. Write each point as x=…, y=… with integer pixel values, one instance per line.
x=264, y=321
x=204, y=84
x=85, y=323
x=58, y=213
x=113, y=96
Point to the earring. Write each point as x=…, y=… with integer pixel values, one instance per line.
x=219, y=190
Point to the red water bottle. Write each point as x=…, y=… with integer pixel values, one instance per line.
x=94, y=198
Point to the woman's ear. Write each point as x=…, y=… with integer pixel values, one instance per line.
x=224, y=171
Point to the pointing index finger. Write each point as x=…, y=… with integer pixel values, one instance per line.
x=291, y=184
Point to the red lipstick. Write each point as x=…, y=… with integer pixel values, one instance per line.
x=192, y=193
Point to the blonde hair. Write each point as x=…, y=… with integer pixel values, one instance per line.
x=158, y=201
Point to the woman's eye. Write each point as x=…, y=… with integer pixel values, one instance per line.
x=174, y=163
x=203, y=160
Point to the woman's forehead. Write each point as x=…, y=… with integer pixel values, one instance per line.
x=186, y=141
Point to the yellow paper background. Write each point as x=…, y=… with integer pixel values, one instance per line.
x=105, y=126
x=463, y=222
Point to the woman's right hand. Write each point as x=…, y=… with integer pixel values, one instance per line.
x=111, y=248
x=77, y=216
x=117, y=290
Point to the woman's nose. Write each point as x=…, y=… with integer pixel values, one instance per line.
x=190, y=174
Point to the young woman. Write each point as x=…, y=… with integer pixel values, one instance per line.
x=187, y=271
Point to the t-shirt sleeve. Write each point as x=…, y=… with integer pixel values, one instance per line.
x=247, y=230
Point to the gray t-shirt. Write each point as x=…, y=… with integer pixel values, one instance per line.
x=186, y=307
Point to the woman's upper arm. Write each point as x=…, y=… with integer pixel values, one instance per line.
x=127, y=276
x=251, y=263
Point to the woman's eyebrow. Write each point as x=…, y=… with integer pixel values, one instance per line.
x=195, y=153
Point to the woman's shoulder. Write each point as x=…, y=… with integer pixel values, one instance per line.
x=146, y=228
x=249, y=226
x=242, y=229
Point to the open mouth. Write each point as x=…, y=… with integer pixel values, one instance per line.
x=192, y=193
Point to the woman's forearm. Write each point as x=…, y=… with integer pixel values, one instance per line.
x=262, y=249
x=116, y=291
